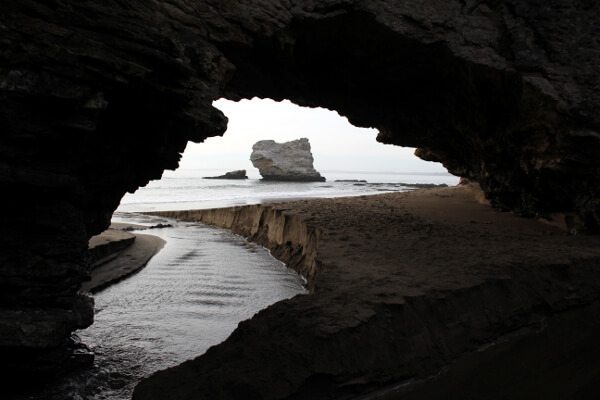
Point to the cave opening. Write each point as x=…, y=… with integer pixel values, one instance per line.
x=191, y=273
x=190, y=295
x=99, y=99
x=348, y=157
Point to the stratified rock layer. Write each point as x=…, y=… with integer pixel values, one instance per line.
x=421, y=295
x=289, y=161
x=99, y=97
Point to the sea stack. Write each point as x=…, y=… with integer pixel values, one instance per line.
x=289, y=161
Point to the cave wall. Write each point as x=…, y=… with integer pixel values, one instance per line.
x=98, y=98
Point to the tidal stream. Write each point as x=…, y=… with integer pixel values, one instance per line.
x=189, y=297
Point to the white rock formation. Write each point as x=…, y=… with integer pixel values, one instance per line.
x=290, y=161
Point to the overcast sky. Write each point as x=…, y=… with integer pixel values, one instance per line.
x=336, y=144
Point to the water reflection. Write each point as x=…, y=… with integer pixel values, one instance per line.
x=191, y=296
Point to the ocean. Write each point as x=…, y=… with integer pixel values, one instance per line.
x=185, y=189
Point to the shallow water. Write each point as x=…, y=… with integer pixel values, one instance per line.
x=189, y=297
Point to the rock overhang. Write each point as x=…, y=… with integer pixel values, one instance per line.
x=99, y=98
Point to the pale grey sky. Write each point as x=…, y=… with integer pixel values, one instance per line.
x=336, y=144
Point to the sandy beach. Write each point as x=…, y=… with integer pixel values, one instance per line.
x=117, y=253
x=412, y=294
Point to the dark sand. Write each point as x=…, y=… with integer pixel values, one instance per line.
x=427, y=294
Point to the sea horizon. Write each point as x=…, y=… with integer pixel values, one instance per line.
x=186, y=189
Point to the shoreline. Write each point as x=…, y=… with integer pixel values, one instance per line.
x=118, y=253
x=445, y=289
x=295, y=245
x=228, y=193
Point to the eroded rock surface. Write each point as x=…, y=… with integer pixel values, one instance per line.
x=289, y=161
x=98, y=98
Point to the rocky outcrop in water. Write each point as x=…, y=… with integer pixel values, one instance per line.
x=237, y=174
x=98, y=98
x=289, y=161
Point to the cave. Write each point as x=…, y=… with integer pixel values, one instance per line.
x=99, y=98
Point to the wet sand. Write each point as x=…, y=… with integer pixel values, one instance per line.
x=117, y=254
x=413, y=294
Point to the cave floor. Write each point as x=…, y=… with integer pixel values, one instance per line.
x=422, y=293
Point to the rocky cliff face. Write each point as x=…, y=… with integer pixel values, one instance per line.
x=98, y=98
x=289, y=161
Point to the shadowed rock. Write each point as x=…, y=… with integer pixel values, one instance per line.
x=97, y=98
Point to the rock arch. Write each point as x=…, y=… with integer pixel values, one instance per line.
x=98, y=98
